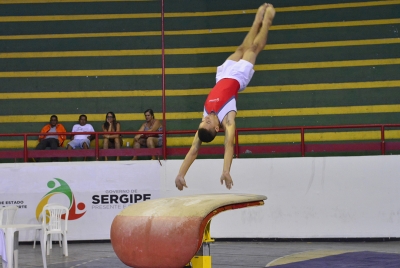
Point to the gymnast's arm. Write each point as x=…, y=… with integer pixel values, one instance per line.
x=230, y=127
x=189, y=159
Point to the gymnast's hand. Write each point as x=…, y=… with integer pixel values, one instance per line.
x=227, y=178
x=180, y=182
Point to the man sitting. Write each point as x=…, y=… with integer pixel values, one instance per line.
x=81, y=141
x=52, y=141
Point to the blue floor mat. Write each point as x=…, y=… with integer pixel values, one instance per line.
x=367, y=259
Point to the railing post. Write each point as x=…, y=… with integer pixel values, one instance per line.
x=164, y=147
x=383, y=140
x=237, y=143
x=25, y=148
x=97, y=150
x=303, y=149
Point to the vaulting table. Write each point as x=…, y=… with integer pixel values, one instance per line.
x=167, y=232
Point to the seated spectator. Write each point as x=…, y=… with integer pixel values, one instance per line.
x=152, y=140
x=111, y=140
x=81, y=141
x=52, y=141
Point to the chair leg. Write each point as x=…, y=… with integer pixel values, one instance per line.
x=15, y=250
x=43, y=247
x=34, y=239
x=10, y=247
x=48, y=243
x=16, y=257
x=51, y=241
x=65, y=244
x=59, y=239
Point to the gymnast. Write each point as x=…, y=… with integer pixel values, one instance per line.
x=232, y=77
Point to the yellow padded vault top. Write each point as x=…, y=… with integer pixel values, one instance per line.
x=188, y=206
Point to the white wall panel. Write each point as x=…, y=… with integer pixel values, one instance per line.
x=307, y=197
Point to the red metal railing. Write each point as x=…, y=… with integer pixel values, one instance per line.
x=301, y=148
x=96, y=152
x=303, y=129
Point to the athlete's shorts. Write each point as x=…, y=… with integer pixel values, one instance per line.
x=242, y=71
x=79, y=143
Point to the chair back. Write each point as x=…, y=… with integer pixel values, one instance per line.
x=52, y=216
x=7, y=214
x=40, y=219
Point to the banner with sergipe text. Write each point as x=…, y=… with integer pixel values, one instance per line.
x=94, y=192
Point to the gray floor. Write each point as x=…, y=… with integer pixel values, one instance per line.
x=224, y=254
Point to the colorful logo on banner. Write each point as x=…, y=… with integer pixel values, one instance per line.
x=62, y=189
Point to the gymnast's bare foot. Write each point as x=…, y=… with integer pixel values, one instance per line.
x=260, y=14
x=269, y=14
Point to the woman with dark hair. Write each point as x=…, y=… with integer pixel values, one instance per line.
x=111, y=140
x=152, y=140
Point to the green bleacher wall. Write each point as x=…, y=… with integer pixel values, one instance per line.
x=326, y=63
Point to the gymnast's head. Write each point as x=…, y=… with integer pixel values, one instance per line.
x=208, y=128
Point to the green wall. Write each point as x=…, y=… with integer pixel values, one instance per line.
x=339, y=58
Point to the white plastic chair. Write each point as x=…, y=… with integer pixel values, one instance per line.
x=38, y=231
x=53, y=224
x=7, y=215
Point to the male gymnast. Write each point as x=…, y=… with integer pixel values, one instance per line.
x=232, y=77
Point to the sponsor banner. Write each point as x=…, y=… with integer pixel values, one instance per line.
x=94, y=192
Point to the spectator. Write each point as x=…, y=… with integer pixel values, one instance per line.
x=81, y=141
x=152, y=140
x=52, y=141
x=111, y=140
